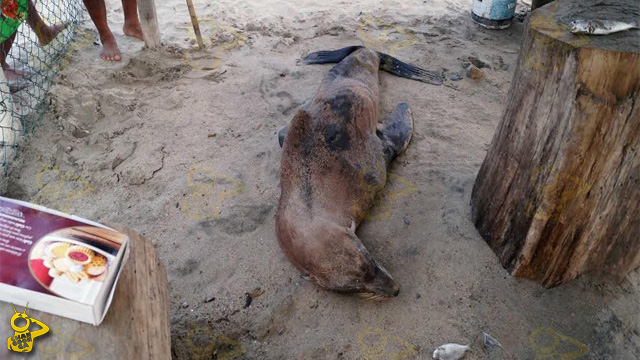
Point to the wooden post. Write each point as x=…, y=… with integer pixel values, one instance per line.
x=539, y=3
x=558, y=194
x=149, y=23
x=194, y=22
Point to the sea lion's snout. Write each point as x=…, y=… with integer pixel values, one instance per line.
x=344, y=265
x=378, y=283
x=383, y=284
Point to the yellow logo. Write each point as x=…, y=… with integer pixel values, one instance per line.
x=205, y=336
x=59, y=351
x=379, y=352
x=546, y=349
x=373, y=180
x=554, y=193
x=205, y=201
x=81, y=40
x=22, y=339
x=383, y=41
x=212, y=59
x=58, y=189
x=547, y=53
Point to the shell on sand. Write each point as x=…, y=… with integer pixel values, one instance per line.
x=450, y=352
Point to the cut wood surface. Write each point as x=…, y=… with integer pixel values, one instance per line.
x=558, y=194
x=136, y=326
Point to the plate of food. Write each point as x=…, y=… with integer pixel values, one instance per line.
x=71, y=266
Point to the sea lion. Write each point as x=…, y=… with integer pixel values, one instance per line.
x=334, y=150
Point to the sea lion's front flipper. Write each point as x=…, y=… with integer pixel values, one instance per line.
x=281, y=135
x=396, y=130
x=283, y=132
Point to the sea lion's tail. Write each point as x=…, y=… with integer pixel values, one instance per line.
x=387, y=63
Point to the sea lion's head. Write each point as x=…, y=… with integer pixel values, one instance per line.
x=342, y=264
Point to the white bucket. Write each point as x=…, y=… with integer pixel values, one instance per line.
x=493, y=14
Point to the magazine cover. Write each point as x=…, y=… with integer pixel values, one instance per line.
x=56, y=255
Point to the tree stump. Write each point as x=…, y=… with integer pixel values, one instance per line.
x=136, y=326
x=558, y=194
x=539, y=3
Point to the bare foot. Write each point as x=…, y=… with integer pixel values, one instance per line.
x=133, y=29
x=110, y=51
x=48, y=33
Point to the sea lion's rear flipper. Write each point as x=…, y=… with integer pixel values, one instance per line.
x=387, y=63
x=329, y=56
x=396, y=130
x=396, y=67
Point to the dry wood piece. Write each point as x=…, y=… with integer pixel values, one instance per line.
x=136, y=326
x=149, y=23
x=194, y=22
x=558, y=194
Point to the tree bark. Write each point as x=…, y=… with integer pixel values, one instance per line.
x=539, y=3
x=558, y=194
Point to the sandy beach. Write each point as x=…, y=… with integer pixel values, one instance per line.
x=181, y=145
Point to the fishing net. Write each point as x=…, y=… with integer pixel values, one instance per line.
x=33, y=58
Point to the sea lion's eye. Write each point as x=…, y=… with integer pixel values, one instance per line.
x=336, y=138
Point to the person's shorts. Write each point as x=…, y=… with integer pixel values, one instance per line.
x=14, y=12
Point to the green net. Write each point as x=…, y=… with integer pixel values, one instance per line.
x=32, y=59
